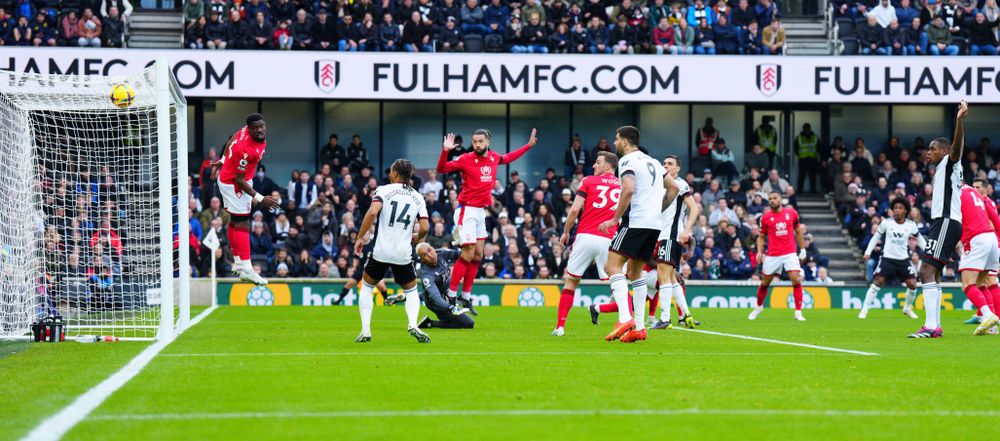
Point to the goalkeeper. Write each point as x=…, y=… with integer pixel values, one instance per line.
x=434, y=274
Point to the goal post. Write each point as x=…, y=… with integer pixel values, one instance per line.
x=93, y=204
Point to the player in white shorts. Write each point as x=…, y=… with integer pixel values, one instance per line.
x=598, y=198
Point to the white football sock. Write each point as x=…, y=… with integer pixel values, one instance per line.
x=985, y=311
x=870, y=296
x=366, y=304
x=412, y=306
x=466, y=295
x=666, y=291
x=932, y=305
x=619, y=290
x=452, y=294
x=679, y=298
x=911, y=296
x=639, y=303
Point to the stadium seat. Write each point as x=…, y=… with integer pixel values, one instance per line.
x=850, y=46
x=845, y=28
x=860, y=22
x=493, y=43
x=473, y=43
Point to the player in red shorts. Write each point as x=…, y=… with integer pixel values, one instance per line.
x=980, y=253
x=598, y=198
x=235, y=170
x=479, y=174
x=781, y=226
x=988, y=284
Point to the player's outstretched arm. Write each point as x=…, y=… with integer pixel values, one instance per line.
x=444, y=165
x=628, y=188
x=574, y=211
x=958, y=141
x=366, y=224
x=513, y=156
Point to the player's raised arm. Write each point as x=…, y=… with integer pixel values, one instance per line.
x=958, y=141
x=444, y=165
x=574, y=211
x=628, y=188
x=366, y=225
x=513, y=156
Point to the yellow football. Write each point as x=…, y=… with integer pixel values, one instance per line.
x=122, y=95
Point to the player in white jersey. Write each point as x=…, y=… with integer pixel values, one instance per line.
x=946, y=220
x=677, y=219
x=643, y=188
x=393, y=210
x=895, y=233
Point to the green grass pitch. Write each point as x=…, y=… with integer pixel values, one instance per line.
x=295, y=373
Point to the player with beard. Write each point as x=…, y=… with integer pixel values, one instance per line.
x=781, y=226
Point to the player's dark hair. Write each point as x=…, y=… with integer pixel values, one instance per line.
x=483, y=132
x=774, y=192
x=904, y=201
x=254, y=117
x=675, y=158
x=610, y=158
x=940, y=143
x=630, y=134
x=982, y=182
x=403, y=169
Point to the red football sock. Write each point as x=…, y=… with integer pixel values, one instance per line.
x=975, y=296
x=565, y=302
x=653, y=304
x=608, y=307
x=994, y=291
x=471, y=269
x=457, y=274
x=797, y=293
x=761, y=294
x=239, y=241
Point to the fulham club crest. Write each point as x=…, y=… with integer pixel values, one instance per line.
x=768, y=78
x=327, y=75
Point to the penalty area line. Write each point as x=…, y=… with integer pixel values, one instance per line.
x=56, y=426
x=545, y=412
x=780, y=342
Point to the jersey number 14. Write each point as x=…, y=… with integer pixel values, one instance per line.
x=403, y=218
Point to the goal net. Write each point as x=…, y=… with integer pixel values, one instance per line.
x=89, y=221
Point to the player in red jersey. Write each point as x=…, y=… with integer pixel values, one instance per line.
x=781, y=226
x=479, y=174
x=235, y=171
x=598, y=198
x=988, y=284
x=980, y=253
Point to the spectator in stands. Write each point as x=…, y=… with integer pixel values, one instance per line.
x=416, y=35
x=325, y=249
x=713, y=194
x=737, y=265
x=895, y=39
x=833, y=168
x=734, y=195
x=389, y=35
x=595, y=8
x=884, y=13
x=261, y=34
x=622, y=37
x=472, y=18
x=42, y=33
x=450, y=37
x=663, y=36
x=871, y=37
x=906, y=13
x=726, y=37
x=332, y=153
x=775, y=183
x=560, y=41
x=697, y=12
x=684, y=39
x=766, y=13
x=704, y=38
x=194, y=34
x=705, y=139
x=305, y=265
x=357, y=156
x=598, y=37
x=238, y=32
x=282, y=36
x=193, y=10
x=344, y=32
x=767, y=136
x=756, y=158
x=982, y=36
x=723, y=212
x=658, y=10
x=939, y=38
x=304, y=193
x=261, y=247
x=302, y=31
x=69, y=32
x=535, y=36
x=916, y=38
x=90, y=30
x=576, y=156
x=215, y=32
x=722, y=159
x=773, y=38
x=495, y=17
x=743, y=15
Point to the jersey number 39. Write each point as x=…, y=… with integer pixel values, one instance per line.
x=604, y=194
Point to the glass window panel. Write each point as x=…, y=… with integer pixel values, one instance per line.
x=870, y=122
x=663, y=129
x=552, y=122
x=349, y=118
x=413, y=131
x=291, y=135
x=909, y=122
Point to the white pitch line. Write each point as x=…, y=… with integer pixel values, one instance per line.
x=55, y=426
x=588, y=353
x=547, y=412
x=781, y=342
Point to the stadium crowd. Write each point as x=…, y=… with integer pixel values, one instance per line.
x=903, y=27
x=518, y=26
x=83, y=23
x=312, y=235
